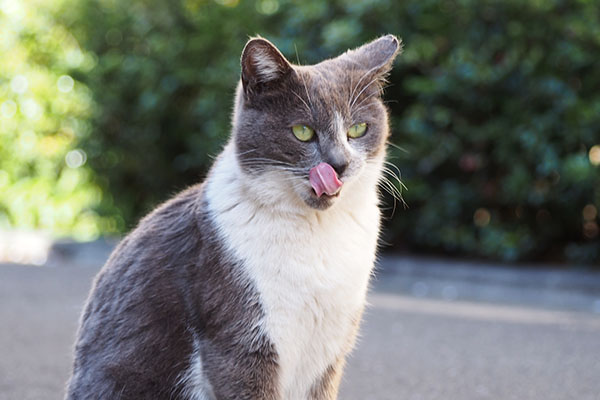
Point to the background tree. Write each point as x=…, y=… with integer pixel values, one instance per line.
x=495, y=109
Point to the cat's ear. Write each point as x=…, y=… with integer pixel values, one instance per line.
x=262, y=65
x=376, y=56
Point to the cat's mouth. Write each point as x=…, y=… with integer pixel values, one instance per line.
x=324, y=180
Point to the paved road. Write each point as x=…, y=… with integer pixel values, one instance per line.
x=427, y=337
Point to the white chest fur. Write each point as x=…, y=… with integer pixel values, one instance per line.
x=311, y=268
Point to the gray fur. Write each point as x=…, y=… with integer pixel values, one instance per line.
x=170, y=288
x=162, y=287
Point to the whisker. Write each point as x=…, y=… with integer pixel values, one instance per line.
x=391, y=182
x=303, y=80
x=302, y=100
x=262, y=168
x=273, y=164
x=394, y=166
x=402, y=149
x=307, y=94
x=388, y=187
x=397, y=177
x=393, y=190
x=351, y=98
x=241, y=153
x=362, y=91
x=372, y=94
x=356, y=110
x=361, y=104
x=270, y=160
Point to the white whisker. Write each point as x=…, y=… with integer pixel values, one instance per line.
x=351, y=99
x=362, y=91
x=302, y=100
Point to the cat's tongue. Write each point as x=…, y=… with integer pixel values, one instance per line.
x=324, y=179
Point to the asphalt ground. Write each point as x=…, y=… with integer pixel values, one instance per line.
x=433, y=330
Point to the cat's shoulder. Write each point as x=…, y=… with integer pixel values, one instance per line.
x=181, y=209
x=171, y=234
x=182, y=214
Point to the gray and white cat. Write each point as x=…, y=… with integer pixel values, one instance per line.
x=251, y=285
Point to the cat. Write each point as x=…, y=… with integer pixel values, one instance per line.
x=252, y=284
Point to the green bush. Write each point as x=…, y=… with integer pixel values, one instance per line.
x=495, y=108
x=500, y=113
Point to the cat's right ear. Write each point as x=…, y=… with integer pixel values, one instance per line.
x=377, y=56
x=263, y=66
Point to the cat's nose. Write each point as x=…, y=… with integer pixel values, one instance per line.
x=339, y=163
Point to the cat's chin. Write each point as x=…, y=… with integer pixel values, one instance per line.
x=320, y=203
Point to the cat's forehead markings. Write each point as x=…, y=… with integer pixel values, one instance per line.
x=338, y=125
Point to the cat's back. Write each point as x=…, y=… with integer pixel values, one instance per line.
x=135, y=325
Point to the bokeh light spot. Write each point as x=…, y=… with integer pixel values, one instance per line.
x=27, y=141
x=31, y=109
x=19, y=84
x=12, y=8
x=590, y=230
x=469, y=162
x=8, y=109
x=595, y=155
x=228, y=3
x=74, y=58
x=267, y=7
x=482, y=217
x=24, y=247
x=75, y=158
x=519, y=211
x=65, y=83
x=590, y=212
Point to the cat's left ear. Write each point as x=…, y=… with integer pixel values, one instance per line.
x=375, y=57
x=262, y=65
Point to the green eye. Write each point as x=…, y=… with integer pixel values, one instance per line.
x=357, y=130
x=303, y=132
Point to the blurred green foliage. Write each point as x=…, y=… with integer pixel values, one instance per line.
x=495, y=109
x=44, y=182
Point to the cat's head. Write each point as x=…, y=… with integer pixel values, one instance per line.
x=312, y=132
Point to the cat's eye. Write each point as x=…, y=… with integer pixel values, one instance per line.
x=303, y=132
x=357, y=130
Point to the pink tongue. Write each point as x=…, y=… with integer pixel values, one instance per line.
x=324, y=179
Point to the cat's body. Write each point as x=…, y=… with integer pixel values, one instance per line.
x=250, y=286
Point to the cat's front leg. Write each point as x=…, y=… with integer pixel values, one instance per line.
x=238, y=372
x=326, y=388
